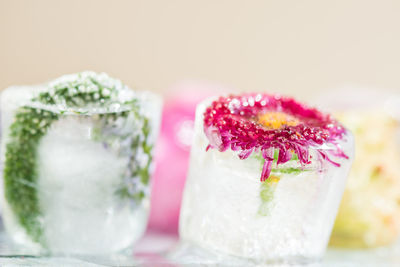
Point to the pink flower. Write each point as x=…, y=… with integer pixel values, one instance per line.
x=234, y=122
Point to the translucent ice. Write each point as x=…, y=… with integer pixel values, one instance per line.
x=90, y=188
x=222, y=201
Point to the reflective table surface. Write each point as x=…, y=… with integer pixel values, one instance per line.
x=157, y=249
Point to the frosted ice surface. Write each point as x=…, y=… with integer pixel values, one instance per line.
x=77, y=183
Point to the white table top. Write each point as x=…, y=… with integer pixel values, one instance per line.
x=157, y=249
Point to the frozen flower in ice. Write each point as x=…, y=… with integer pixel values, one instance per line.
x=262, y=123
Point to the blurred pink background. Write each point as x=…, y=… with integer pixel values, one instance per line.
x=172, y=152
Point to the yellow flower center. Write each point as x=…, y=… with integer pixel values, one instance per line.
x=273, y=179
x=276, y=120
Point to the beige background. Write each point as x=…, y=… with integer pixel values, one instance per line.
x=297, y=47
